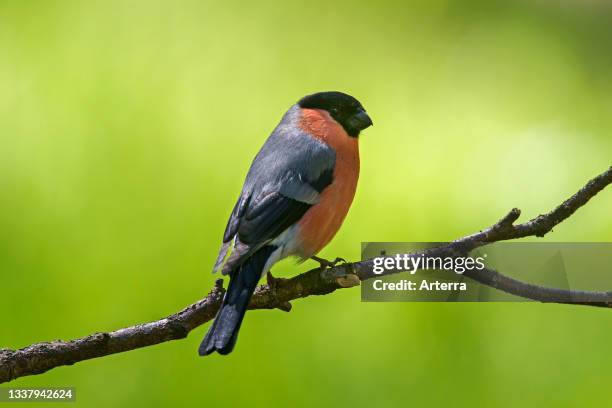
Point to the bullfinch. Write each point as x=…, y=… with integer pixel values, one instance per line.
x=295, y=197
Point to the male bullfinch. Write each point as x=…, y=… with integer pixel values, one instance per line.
x=295, y=197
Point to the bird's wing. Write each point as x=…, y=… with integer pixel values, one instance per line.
x=258, y=219
x=276, y=195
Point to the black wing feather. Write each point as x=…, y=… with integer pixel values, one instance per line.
x=265, y=217
x=268, y=218
x=324, y=180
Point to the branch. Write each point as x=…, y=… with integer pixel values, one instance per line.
x=41, y=357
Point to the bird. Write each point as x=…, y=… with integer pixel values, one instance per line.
x=295, y=197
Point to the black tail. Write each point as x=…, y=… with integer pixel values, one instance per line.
x=222, y=335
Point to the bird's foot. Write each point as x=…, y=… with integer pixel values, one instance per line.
x=328, y=264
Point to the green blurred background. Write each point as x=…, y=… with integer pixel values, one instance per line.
x=126, y=129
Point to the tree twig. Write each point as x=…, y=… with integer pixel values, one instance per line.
x=41, y=357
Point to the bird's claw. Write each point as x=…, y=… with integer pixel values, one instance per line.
x=328, y=264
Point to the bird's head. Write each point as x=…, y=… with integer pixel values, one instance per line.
x=343, y=108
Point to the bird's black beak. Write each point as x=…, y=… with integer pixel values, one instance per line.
x=360, y=120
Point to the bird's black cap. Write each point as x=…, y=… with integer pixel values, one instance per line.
x=344, y=108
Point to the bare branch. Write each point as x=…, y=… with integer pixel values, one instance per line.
x=277, y=294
